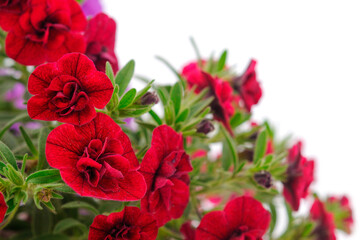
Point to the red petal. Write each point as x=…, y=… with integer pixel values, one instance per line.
x=76, y=65
x=79, y=21
x=214, y=226
x=165, y=140
x=99, y=88
x=38, y=109
x=3, y=207
x=24, y=51
x=41, y=78
x=73, y=42
x=100, y=228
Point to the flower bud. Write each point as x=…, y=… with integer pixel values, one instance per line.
x=263, y=178
x=44, y=195
x=149, y=98
x=205, y=126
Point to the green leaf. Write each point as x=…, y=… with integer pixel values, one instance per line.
x=163, y=95
x=51, y=236
x=260, y=148
x=155, y=117
x=79, y=204
x=124, y=76
x=14, y=175
x=182, y=116
x=44, y=176
x=41, y=147
x=127, y=99
x=109, y=73
x=222, y=61
x=7, y=155
x=18, y=118
x=28, y=141
x=68, y=223
x=169, y=113
x=232, y=148
x=226, y=156
x=199, y=106
x=273, y=218
x=176, y=96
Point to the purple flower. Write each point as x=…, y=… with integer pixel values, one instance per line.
x=92, y=7
x=15, y=95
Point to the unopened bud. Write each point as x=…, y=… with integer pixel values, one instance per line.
x=263, y=178
x=44, y=195
x=149, y=98
x=205, y=126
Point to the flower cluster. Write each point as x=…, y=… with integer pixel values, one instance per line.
x=162, y=178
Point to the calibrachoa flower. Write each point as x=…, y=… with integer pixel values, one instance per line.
x=344, y=219
x=325, y=222
x=130, y=224
x=10, y=11
x=248, y=87
x=100, y=36
x=165, y=167
x=242, y=218
x=221, y=91
x=96, y=160
x=45, y=31
x=3, y=207
x=300, y=174
x=188, y=231
x=68, y=91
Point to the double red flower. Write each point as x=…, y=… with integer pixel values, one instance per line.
x=68, y=91
x=248, y=87
x=300, y=174
x=129, y=224
x=44, y=30
x=165, y=167
x=96, y=160
x=221, y=91
x=3, y=207
x=325, y=227
x=346, y=222
x=100, y=36
x=242, y=218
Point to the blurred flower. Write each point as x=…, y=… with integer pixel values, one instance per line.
x=16, y=95
x=242, y=218
x=100, y=36
x=342, y=211
x=248, y=87
x=130, y=224
x=91, y=7
x=325, y=227
x=188, y=231
x=10, y=11
x=205, y=126
x=300, y=174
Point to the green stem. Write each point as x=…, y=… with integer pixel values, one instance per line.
x=10, y=217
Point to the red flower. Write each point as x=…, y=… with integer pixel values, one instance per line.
x=68, y=91
x=242, y=218
x=221, y=91
x=100, y=36
x=188, y=231
x=47, y=30
x=3, y=207
x=248, y=87
x=344, y=218
x=130, y=224
x=300, y=174
x=165, y=167
x=96, y=160
x=325, y=222
x=10, y=11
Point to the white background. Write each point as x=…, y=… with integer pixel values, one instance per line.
x=310, y=60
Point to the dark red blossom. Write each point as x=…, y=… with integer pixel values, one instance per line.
x=130, y=224
x=68, y=91
x=96, y=160
x=45, y=31
x=300, y=174
x=3, y=207
x=242, y=218
x=165, y=167
x=248, y=87
x=100, y=36
x=325, y=227
x=10, y=11
x=188, y=231
x=193, y=74
x=343, y=214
